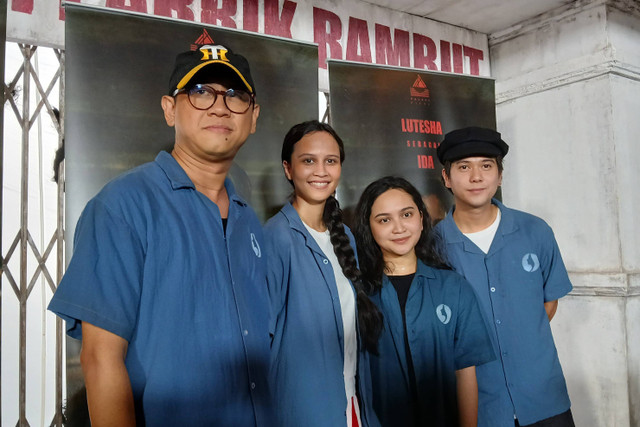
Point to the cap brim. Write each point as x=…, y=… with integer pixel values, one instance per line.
x=187, y=77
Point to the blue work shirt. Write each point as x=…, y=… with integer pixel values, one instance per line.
x=152, y=265
x=446, y=332
x=522, y=270
x=307, y=351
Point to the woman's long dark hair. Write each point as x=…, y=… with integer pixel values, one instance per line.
x=369, y=317
x=372, y=264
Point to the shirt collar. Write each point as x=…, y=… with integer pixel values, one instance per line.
x=294, y=219
x=421, y=270
x=453, y=233
x=424, y=270
x=295, y=222
x=180, y=180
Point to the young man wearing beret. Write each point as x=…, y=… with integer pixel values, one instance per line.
x=512, y=260
x=166, y=286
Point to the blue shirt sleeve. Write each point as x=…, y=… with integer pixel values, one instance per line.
x=554, y=273
x=278, y=266
x=472, y=344
x=102, y=284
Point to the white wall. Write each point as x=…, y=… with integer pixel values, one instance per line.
x=568, y=92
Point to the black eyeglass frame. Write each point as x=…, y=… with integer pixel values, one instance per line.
x=216, y=92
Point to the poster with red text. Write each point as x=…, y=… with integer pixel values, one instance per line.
x=118, y=66
x=392, y=121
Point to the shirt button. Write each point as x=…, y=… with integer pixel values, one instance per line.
x=326, y=261
x=504, y=353
x=498, y=321
x=493, y=289
x=245, y=332
x=253, y=385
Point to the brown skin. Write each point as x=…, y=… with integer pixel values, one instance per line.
x=207, y=142
x=550, y=307
x=467, y=389
x=205, y=145
x=396, y=226
x=108, y=387
x=473, y=181
x=315, y=171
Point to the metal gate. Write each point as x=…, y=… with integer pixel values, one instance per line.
x=33, y=239
x=32, y=236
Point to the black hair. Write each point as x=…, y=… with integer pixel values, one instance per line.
x=369, y=317
x=448, y=163
x=372, y=264
x=297, y=132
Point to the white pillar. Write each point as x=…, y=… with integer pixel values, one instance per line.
x=568, y=104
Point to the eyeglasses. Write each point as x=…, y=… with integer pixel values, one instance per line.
x=202, y=97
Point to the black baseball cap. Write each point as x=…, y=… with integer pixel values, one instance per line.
x=471, y=141
x=192, y=62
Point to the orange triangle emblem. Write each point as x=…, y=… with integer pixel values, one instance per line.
x=204, y=38
x=419, y=83
x=419, y=89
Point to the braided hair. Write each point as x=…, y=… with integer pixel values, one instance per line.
x=369, y=317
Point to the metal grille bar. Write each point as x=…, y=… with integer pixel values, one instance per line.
x=28, y=83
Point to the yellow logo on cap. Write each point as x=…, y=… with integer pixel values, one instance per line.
x=214, y=52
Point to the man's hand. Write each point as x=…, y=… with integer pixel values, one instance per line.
x=551, y=307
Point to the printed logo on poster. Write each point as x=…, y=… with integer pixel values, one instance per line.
x=210, y=51
x=420, y=92
x=204, y=39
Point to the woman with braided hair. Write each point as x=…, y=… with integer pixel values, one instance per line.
x=322, y=321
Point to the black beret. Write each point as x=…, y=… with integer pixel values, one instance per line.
x=469, y=142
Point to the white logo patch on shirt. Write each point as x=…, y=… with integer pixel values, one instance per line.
x=255, y=246
x=530, y=262
x=444, y=313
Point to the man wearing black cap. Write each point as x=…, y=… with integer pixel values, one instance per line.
x=512, y=260
x=166, y=286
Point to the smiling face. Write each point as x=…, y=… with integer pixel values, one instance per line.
x=314, y=168
x=210, y=135
x=396, y=224
x=473, y=181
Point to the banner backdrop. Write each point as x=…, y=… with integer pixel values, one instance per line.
x=392, y=121
x=351, y=30
x=114, y=83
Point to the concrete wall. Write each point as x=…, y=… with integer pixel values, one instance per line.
x=568, y=93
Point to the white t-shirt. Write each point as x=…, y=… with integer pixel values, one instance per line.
x=484, y=238
x=348, y=309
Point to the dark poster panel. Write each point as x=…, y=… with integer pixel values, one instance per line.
x=392, y=121
x=117, y=69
